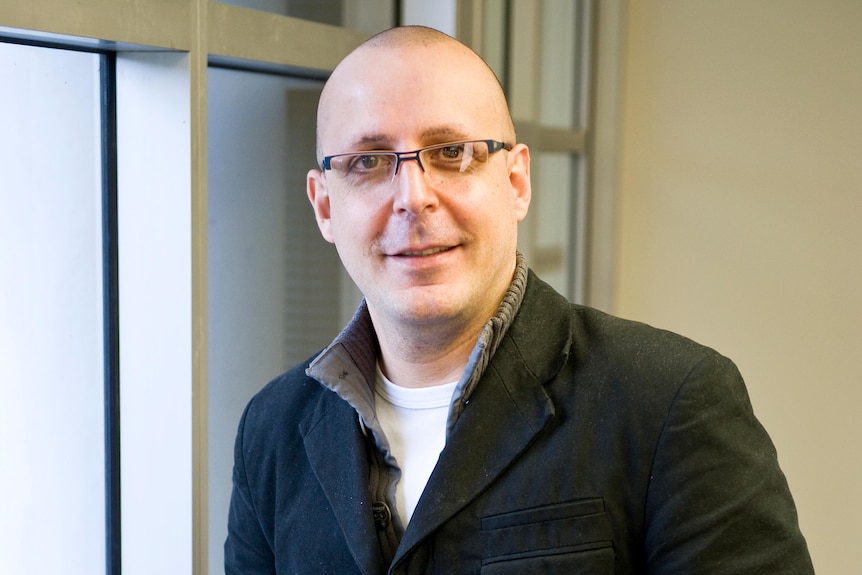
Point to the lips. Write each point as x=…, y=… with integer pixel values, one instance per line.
x=425, y=252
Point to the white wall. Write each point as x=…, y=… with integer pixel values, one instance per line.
x=741, y=221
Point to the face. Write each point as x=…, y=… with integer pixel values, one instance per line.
x=421, y=251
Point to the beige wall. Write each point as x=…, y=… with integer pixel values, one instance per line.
x=740, y=221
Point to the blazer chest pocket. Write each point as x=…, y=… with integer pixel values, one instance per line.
x=573, y=538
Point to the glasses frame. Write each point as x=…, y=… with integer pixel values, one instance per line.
x=401, y=157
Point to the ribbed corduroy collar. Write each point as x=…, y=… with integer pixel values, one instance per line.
x=348, y=365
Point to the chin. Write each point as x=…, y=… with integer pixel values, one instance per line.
x=417, y=309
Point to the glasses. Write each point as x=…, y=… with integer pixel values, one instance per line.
x=443, y=161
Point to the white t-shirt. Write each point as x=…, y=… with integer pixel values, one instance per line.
x=414, y=421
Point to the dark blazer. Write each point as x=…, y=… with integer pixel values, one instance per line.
x=591, y=445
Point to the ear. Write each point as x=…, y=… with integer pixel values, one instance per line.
x=315, y=186
x=519, y=179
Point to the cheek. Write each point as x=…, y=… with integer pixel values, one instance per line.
x=502, y=215
x=499, y=203
x=353, y=223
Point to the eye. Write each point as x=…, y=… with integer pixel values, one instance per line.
x=451, y=158
x=452, y=152
x=369, y=162
x=366, y=163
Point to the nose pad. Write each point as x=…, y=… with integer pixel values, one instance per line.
x=406, y=158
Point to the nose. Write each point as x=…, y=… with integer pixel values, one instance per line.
x=413, y=194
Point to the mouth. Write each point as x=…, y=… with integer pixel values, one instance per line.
x=425, y=252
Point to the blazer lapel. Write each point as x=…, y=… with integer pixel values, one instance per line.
x=501, y=420
x=340, y=464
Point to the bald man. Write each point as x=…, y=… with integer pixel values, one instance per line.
x=469, y=419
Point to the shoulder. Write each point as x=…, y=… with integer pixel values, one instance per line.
x=281, y=404
x=633, y=345
x=587, y=355
x=285, y=388
x=599, y=341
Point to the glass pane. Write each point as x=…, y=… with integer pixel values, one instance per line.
x=369, y=16
x=494, y=38
x=563, y=26
x=555, y=225
x=274, y=283
x=51, y=349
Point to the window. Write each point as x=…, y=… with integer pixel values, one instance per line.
x=272, y=279
x=54, y=383
x=542, y=52
x=548, y=82
x=209, y=224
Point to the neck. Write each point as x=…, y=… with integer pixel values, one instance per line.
x=428, y=353
x=424, y=357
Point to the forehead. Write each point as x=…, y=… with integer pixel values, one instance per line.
x=409, y=96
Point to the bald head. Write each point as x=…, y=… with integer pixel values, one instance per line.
x=414, y=70
x=407, y=36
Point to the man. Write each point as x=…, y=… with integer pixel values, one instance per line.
x=469, y=419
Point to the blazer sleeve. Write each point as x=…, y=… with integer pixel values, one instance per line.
x=247, y=550
x=717, y=500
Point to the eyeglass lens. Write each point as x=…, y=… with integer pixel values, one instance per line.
x=443, y=162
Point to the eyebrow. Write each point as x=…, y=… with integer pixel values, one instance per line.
x=429, y=136
x=370, y=142
x=442, y=134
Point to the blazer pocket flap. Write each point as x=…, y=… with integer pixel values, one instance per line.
x=581, y=524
